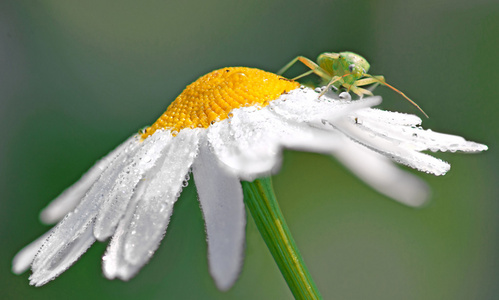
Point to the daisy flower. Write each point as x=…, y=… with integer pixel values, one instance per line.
x=228, y=126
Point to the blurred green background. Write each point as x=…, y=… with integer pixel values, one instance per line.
x=78, y=77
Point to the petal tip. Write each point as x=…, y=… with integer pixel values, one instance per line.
x=224, y=282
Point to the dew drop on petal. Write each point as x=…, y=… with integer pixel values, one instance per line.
x=345, y=96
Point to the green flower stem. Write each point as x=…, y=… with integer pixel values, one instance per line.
x=261, y=201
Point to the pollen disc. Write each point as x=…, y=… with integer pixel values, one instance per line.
x=211, y=98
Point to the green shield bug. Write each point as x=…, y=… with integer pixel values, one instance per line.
x=344, y=69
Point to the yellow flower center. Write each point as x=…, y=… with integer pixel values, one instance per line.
x=211, y=98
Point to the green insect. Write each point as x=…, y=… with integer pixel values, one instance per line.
x=345, y=69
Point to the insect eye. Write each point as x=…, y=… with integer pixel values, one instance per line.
x=350, y=67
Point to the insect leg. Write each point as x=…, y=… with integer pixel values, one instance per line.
x=303, y=75
x=333, y=80
x=369, y=80
x=307, y=62
x=287, y=66
x=366, y=81
x=360, y=91
x=315, y=68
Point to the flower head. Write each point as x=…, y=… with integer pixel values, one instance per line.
x=229, y=125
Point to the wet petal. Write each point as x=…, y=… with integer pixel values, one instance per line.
x=144, y=225
x=23, y=259
x=304, y=106
x=62, y=259
x=113, y=262
x=70, y=237
x=388, y=117
x=408, y=135
x=434, y=141
x=221, y=198
x=391, y=148
x=113, y=208
x=244, y=143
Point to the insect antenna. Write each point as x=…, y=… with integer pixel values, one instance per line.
x=398, y=91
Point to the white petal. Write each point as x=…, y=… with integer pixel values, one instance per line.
x=23, y=259
x=113, y=208
x=410, y=136
x=221, y=198
x=69, y=199
x=150, y=219
x=71, y=236
x=140, y=231
x=63, y=258
x=389, y=117
x=113, y=262
x=304, y=106
x=435, y=141
x=249, y=144
x=246, y=142
x=303, y=137
x=382, y=175
x=391, y=148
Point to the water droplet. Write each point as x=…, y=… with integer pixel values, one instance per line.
x=163, y=207
x=345, y=96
